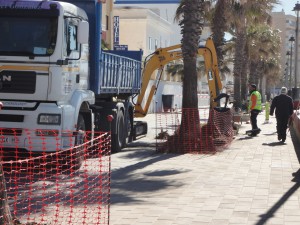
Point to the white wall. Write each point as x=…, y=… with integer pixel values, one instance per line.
x=166, y=12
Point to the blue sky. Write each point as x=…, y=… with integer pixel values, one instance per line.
x=287, y=6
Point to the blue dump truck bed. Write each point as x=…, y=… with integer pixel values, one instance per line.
x=112, y=73
x=120, y=73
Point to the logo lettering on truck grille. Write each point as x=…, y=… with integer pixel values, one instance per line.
x=17, y=82
x=4, y=78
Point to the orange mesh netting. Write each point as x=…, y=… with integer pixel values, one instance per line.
x=70, y=186
x=201, y=130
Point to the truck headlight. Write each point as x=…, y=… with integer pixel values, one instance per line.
x=52, y=119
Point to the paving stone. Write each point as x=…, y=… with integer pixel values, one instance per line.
x=250, y=183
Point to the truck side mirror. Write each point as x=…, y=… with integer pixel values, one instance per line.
x=83, y=32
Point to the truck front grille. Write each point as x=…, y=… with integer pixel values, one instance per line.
x=21, y=82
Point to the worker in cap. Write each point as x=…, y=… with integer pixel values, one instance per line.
x=283, y=106
x=254, y=108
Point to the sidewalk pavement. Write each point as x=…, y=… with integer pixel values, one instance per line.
x=255, y=181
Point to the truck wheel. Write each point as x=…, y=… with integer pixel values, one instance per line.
x=118, y=139
x=80, y=122
x=75, y=156
x=79, y=139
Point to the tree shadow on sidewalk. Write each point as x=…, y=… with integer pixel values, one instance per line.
x=271, y=212
x=296, y=178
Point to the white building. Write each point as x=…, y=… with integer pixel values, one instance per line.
x=142, y=28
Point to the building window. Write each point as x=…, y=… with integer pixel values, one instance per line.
x=107, y=19
x=156, y=44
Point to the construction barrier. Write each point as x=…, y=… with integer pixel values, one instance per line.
x=70, y=186
x=200, y=130
x=294, y=126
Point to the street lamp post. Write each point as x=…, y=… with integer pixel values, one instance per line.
x=286, y=70
x=292, y=39
x=296, y=9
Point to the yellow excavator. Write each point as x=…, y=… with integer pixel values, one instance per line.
x=161, y=57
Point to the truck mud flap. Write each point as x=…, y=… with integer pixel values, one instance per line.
x=139, y=128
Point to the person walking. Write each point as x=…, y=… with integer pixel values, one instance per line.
x=254, y=108
x=284, y=108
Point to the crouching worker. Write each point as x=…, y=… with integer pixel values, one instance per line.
x=283, y=106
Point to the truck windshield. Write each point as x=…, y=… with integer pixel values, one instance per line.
x=25, y=36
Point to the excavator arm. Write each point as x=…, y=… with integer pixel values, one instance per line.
x=162, y=56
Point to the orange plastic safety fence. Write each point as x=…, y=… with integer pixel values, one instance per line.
x=201, y=130
x=50, y=184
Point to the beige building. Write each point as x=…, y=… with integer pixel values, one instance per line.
x=142, y=28
x=287, y=25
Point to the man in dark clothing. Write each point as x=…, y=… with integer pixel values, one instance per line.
x=284, y=109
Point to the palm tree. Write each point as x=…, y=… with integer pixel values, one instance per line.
x=264, y=48
x=272, y=68
x=219, y=26
x=238, y=17
x=190, y=14
x=5, y=215
x=243, y=14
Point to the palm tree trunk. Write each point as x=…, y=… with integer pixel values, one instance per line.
x=190, y=121
x=192, y=18
x=238, y=66
x=5, y=215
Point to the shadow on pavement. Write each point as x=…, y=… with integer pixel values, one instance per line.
x=129, y=180
x=272, y=144
x=270, y=213
x=265, y=217
x=245, y=138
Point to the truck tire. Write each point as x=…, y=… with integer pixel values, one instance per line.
x=118, y=139
x=79, y=139
x=75, y=156
x=80, y=122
